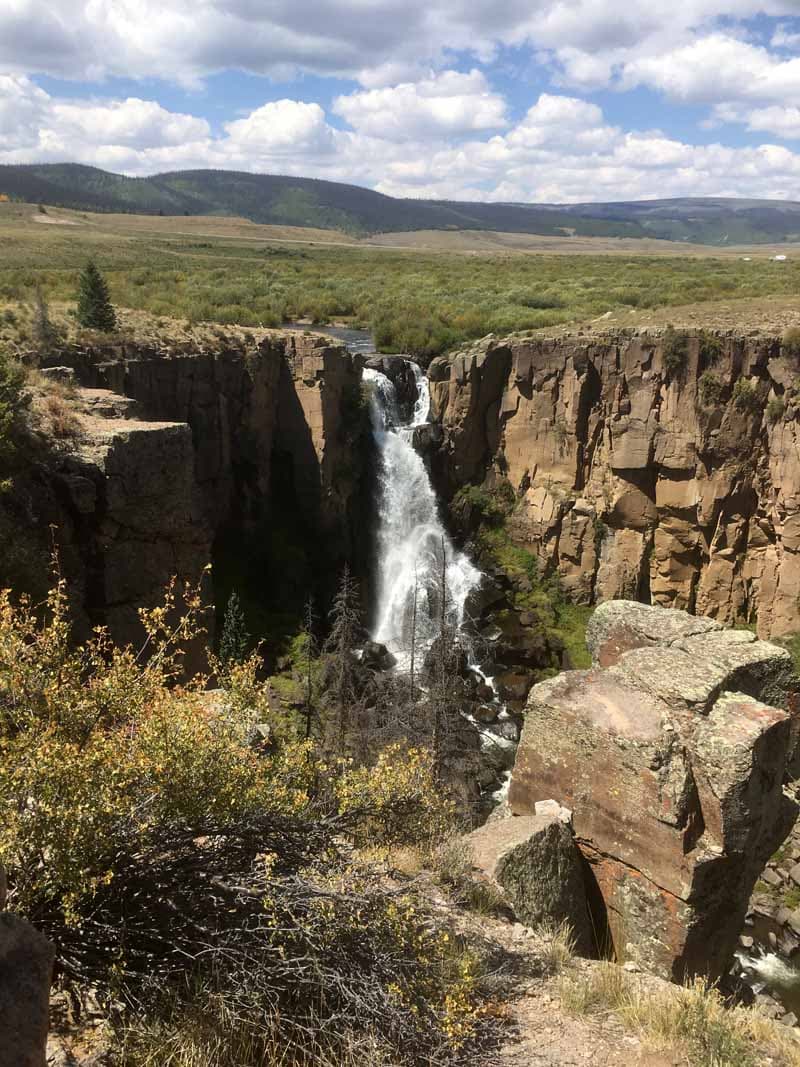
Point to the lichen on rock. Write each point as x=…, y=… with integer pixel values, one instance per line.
x=672, y=759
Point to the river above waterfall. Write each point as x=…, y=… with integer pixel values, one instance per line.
x=359, y=341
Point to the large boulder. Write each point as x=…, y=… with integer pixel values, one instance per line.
x=535, y=860
x=672, y=760
x=26, y=966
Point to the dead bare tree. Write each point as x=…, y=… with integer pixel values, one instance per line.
x=311, y=651
x=344, y=679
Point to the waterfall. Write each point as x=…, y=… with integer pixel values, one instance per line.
x=413, y=546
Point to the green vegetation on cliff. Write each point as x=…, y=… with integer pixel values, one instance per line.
x=533, y=592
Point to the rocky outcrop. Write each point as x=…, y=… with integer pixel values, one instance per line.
x=131, y=515
x=671, y=752
x=663, y=468
x=536, y=862
x=291, y=394
x=172, y=448
x=26, y=965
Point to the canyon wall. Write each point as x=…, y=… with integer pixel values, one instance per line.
x=173, y=447
x=662, y=468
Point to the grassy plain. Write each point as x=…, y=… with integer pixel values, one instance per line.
x=418, y=300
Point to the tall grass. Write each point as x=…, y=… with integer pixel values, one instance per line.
x=694, y=1018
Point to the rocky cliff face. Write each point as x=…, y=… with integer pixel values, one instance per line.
x=172, y=448
x=291, y=394
x=671, y=753
x=129, y=513
x=660, y=468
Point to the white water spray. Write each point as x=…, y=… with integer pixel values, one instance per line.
x=767, y=970
x=411, y=537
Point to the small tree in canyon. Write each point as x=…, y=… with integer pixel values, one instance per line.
x=310, y=652
x=343, y=681
x=444, y=662
x=235, y=640
x=45, y=335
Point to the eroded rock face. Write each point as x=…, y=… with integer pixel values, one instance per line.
x=290, y=393
x=635, y=480
x=671, y=754
x=535, y=860
x=175, y=447
x=131, y=519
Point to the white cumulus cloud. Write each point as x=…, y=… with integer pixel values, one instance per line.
x=443, y=104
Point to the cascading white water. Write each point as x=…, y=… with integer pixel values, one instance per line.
x=412, y=542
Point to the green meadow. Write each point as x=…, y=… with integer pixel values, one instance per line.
x=421, y=302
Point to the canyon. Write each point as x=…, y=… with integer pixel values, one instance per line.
x=642, y=466
x=635, y=471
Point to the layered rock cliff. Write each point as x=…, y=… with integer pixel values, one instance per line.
x=662, y=468
x=171, y=450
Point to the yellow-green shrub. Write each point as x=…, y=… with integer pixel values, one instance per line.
x=398, y=798
x=98, y=743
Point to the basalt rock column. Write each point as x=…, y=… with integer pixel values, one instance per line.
x=672, y=761
x=651, y=467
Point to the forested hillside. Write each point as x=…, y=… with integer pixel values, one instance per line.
x=276, y=199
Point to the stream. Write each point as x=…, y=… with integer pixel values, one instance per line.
x=359, y=341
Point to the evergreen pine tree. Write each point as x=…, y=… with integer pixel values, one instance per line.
x=235, y=639
x=94, y=307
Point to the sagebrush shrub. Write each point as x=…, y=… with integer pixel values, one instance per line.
x=205, y=879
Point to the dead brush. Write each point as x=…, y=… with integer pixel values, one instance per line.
x=61, y=415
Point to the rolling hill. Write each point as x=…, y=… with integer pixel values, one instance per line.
x=352, y=209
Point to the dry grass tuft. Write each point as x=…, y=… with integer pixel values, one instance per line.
x=602, y=988
x=452, y=862
x=554, y=945
x=61, y=415
x=694, y=1017
x=56, y=403
x=453, y=868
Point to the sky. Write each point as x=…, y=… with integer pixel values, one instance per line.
x=512, y=100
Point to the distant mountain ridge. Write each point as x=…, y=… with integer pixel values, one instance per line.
x=282, y=200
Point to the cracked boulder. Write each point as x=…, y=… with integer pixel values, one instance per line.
x=671, y=753
x=535, y=861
